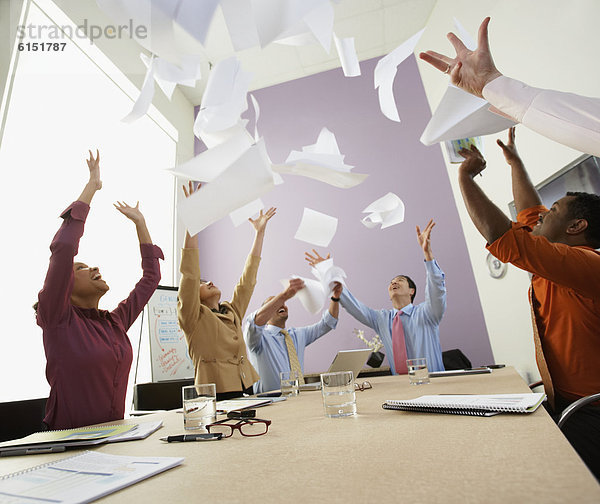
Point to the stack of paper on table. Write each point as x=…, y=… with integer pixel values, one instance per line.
x=58, y=441
x=475, y=405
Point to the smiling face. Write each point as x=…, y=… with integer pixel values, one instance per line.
x=88, y=282
x=399, y=287
x=280, y=316
x=553, y=224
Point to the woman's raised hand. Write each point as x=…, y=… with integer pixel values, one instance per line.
x=261, y=221
x=94, y=167
x=132, y=213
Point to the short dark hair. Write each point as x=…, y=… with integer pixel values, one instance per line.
x=586, y=206
x=411, y=285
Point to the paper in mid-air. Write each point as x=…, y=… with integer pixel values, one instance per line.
x=316, y=228
x=242, y=214
x=315, y=293
x=385, y=211
x=209, y=164
x=462, y=115
x=144, y=100
x=385, y=72
x=224, y=99
x=247, y=179
x=347, y=55
x=322, y=161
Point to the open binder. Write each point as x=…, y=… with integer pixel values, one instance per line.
x=473, y=405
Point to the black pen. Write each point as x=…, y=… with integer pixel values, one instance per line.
x=183, y=438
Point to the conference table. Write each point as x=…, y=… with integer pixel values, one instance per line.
x=376, y=456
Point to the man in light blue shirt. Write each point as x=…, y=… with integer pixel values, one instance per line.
x=420, y=322
x=268, y=351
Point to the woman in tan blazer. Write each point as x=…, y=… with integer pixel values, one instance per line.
x=213, y=329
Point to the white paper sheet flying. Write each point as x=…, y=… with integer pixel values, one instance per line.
x=242, y=214
x=322, y=161
x=144, y=100
x=256, y=116
x=214, y=138
x=385, y=72
x=208, y=165
x=274, y=18
x=247, y=179
x=224, y=99
x=385, y=211
x=315, y=293
x=195, y=17
x=316, y=228
x=312, y=295
x=347, y=55
x=328, y=274
x=315, y=27
x=239, y=19
x=462, y=115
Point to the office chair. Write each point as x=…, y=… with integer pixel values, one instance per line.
x=573, y=407
x=21, y=418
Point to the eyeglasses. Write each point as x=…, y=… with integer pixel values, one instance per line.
x=363, y=386
x=249, y=427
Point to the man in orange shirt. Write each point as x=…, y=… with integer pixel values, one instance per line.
x=558, y=247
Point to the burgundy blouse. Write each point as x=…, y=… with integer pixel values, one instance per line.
x=88, y=352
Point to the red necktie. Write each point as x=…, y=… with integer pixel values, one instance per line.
x=399, y=345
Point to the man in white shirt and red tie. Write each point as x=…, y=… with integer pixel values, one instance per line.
x=407, y=331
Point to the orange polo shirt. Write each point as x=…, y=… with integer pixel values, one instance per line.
x=566, y=288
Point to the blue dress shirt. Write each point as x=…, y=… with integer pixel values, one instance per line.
x=420, y=322
x=268, y=352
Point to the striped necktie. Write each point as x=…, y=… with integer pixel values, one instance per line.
x=399, y=345
x=293, y=356
x=539, y=354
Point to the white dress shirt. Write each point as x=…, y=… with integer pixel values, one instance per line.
x=566, y=118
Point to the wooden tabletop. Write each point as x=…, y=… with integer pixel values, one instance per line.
x=378, y=455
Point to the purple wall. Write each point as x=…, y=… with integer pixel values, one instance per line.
x=292, y=114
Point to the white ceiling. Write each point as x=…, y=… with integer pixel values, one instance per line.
x=378, y=26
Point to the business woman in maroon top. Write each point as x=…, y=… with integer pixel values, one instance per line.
x=87, y=349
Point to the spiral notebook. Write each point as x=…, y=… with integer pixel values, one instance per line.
x=81, y=478
x=474, y=405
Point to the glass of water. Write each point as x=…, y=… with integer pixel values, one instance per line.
x=339, y=398
x=199, y=405
x=418, y=374
x=289, y=383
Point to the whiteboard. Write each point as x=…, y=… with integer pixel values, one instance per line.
x=169, y=355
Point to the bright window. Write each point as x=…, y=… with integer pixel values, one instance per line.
x=62, y=104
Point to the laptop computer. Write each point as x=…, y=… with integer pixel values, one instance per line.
x=345, y=360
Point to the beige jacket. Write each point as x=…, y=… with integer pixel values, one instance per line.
x=215, y=340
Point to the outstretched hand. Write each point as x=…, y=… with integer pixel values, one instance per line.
x=260, y=223
x=315, y=259
x=293, y=287
x=188, y=191
x=469, y=70
x=474, y=162
x=132, y=213
x=94, y=167
x=510, y=149
x=424, y=239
